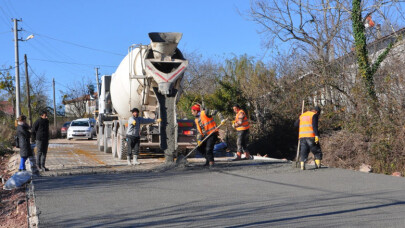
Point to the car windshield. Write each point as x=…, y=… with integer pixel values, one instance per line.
x=80, y=123
x=66, y=124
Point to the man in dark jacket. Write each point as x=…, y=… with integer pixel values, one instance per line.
x=40, y=130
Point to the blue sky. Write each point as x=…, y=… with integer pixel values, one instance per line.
x=213, y=28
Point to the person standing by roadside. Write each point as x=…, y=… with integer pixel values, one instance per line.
x=26, y=153
x=40, y=130
x=134, y=134
x=241, y=124
x=309, y=136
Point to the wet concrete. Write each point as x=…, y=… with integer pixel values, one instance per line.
x=72, y=157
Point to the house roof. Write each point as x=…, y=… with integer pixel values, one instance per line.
x=6, y=107
x=82, y=98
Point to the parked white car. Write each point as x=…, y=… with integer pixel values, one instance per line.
x=80, y=129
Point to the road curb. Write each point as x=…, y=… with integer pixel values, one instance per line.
x=32, y=215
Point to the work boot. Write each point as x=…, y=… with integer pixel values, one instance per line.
x=211, y=164
x=317, y=164
x=129, y=160
x=238, y=156
x=302, y=165
x=207, y=163
x=248, y=156
x=135, y=161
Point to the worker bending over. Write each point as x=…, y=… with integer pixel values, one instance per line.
x=134, y=134
x=309, y=136
x=207, y=132
x=241, y=124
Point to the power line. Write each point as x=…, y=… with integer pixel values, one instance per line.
x=8, y=22
x=33, y=71
x=6, y=69
x=84, y=64
x=78, y=45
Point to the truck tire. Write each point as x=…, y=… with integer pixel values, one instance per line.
x=106, y=148
x=121, y=147
x=113, y=144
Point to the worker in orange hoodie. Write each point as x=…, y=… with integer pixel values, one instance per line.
x=241, y=124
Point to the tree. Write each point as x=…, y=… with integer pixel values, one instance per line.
x=367, y=70
x=7, y=86
x=76, y=98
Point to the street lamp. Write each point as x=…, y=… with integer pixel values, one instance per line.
x=17, y=67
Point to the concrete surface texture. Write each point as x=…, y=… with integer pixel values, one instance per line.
x=234, y=194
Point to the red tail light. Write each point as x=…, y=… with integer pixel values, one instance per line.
x=188, y=133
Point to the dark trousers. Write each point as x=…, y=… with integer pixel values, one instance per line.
x=242, y=141
x=308, y=144
x=133, y=145
x=207, y=147
x=42, y=150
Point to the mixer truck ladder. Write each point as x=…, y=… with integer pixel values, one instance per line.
x=131, y=70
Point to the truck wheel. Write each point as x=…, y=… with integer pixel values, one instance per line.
x=106, y=148
x=121, y=147
x=100, y=141
x=113, y=145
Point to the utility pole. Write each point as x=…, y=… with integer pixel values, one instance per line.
x=27, y=81
x=17, y=70
x=54, y=103
x=98, y=84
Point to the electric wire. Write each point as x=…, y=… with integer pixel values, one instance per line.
x=4, y=17
x=78, y=45
x=11, y=7
x=11, y=67
x=50, y=52
x=71, y=63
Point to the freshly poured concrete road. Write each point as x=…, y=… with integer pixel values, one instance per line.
x=235, y=194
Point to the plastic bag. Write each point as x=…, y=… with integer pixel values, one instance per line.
x=220, y=147
x=17, y=180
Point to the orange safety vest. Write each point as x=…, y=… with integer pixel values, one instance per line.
x=205, y=124
x=241, y=116
x=306, y=129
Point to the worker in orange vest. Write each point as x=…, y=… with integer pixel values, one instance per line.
x=309, y=136
x=241, y=124
x=206, y=125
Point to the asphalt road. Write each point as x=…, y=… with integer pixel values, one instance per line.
x=237, y=194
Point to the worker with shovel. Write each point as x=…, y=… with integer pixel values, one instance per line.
x=241, y=124
x=208, y=133
x=309, y=136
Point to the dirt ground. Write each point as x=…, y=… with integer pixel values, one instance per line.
x=13, y=203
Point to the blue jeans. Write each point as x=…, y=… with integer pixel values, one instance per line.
x=22, y=163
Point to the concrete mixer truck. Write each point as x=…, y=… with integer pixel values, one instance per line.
x=148, y=78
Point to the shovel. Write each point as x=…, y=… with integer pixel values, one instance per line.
x=296, y=163
x=179, y=160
